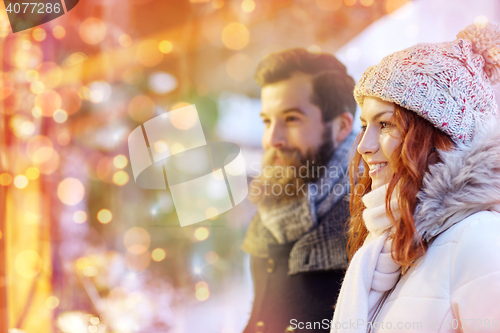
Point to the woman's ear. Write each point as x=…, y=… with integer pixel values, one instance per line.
x=341, y=128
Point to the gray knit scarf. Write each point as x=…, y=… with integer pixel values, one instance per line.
x=288, y=223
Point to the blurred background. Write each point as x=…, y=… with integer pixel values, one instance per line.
x=82, y=247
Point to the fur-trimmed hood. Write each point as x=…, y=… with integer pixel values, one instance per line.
x=467, y=181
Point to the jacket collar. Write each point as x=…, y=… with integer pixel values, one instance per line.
x=467, y=181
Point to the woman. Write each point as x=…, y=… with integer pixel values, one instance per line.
x=425, y=227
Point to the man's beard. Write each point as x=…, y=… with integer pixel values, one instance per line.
x=287, y=182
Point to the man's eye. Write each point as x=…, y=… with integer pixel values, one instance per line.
x=291, y=118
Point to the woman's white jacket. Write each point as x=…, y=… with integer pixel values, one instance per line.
x=455, y=286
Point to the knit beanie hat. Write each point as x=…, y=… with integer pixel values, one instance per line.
x=449, y=84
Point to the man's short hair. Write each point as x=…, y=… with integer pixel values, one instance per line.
x=332, y=86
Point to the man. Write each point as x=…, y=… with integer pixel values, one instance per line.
x=297, y=239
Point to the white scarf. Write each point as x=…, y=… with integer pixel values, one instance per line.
x=372, y=271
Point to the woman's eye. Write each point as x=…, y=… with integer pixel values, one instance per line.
x=266, y=121
x=385, y=125
x=363, y=128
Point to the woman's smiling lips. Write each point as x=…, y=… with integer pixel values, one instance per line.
x=376, y=167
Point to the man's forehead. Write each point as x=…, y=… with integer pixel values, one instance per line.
x=285, y=95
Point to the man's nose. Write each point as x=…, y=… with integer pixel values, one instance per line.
x=369, y=143
x=276, y=136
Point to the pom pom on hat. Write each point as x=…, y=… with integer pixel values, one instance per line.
x=485, y=39
x=448, y=84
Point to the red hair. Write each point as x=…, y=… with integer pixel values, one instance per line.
x=410, y=161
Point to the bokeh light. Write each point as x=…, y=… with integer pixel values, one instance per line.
x=104, y=216
x=158, y=254
x=80, y=216
x=120, y=161
x=59, y=32
x=32, y=173
x=60, y=116
x=162, y=83
x=165, y=46
x=70, y=191
x=125, y=40
x=136, y=240
x=201, y=233
x=92, y=31
x=248, y=6
x=235, y=36
x=211, y=213
x=120, y=178
x=202, y=291
x=20, y=181
x=38, y=34
x=350, y=2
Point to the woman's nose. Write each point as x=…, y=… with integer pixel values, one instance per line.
x=369, y=143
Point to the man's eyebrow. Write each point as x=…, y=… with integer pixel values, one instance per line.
x=378, y=115
x=262, y=114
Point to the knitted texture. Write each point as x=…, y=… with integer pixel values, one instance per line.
x=449, y=84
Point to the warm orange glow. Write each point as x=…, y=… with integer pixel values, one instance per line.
x=59, y=32
x=70, y=191
x=80, y=216
x=158, y=254
x=201, y=233
x=148, y=53
x=235, y=36
x=366, y=3
x=38, y=34
x=20, y=181
x=165, y=46
x=350, y=2
x=329, y=5
x=217, y=4
x=104, y=216
x=120, y=178
x=5, y=179
x=392, y=5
